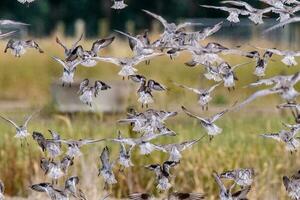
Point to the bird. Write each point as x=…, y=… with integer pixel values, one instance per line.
x=170, y=28
x=288, y=56
x=2, y=188
x=255, y=15
x=106, y=171
x=242, y=177
x=127, y=64
x=146, y=88
x=150, y=121
x=283, y=85
x=226, y=194
x=21, y=130
x=295, y=108
x=174, y=150
x=204, y=95
x=26, y=1
x=286, y=12
x=87, y=92
x=288, y=137
x=18, y=47
x=48, y=188
x=56, y=170
x=140, y=45
x=139, y=42
x=86, y=55
x=125, y=156
x=4, y=35
x=261, y=62
x=50, y=146
x=162, y=173
x=75, y=145
x=119, y=5
x=69, y=70
x=142, y=142
x=208, y=123
x=234, y=13
x=292, y=185
x=68, y=51
x=70, y=189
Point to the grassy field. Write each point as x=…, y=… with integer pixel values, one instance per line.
x=28, y=79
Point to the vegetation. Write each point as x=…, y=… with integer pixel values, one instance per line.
x=238, y=146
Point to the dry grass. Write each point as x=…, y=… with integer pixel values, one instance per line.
x=29, y=77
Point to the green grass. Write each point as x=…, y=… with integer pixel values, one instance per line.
x=29, y=79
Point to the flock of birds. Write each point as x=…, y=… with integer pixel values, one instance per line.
x=151, y=124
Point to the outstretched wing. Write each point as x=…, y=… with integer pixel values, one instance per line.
x=30, y=117
x=219, y=182
x=193, y=115
x=218, y=115
x=137, y=78
x=156, y=86
x=257, y=94
x=3, y=35
x=100, y=44
x=10, y=121
x=140, y=196
x=159, y=18
x=274, y=136
x=282, y=24
x=104, y=157
x=99, y=85
x=188, y=88
x=112, y=60
x=242, y=194
x=241, y=4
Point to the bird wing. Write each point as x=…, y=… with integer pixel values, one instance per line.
x=219, y=182
x=274, y=136
x=211, y=30
x=60, y=61
x=281, y=24
x=186, y=196
x=214, y=87
x=104, y=157
x=30, y=117
x=10, y=121
x=137, y=78
x=156, y=86
x=223, y=8
x=140, y=196
x=3, y=35
x=137, y=41
x=112, y=60
x=142, y=58
x=90, y=141
x=257, y=94
x=218, y=115
x=242, y=194
x=186, y=24
x=100, y=44
x=159, y=18
x=188, y=88
x=193, y=115
x=2, y=187
x=241, y=4
x=76, y=42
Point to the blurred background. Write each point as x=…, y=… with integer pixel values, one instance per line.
x=33, y=82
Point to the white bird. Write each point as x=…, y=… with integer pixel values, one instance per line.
x=127, y=64
x=208, y=123
x=234, y=13
x=69, y=70
x=255, y=15
x=119, y=4
x=21, y=130
x=292, y=185
x=204, y=95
